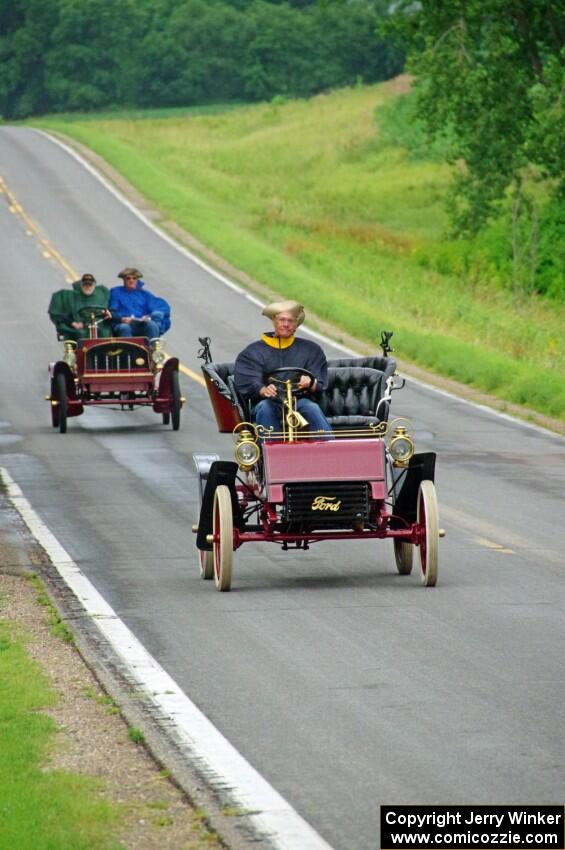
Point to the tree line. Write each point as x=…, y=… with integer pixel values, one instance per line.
x=84, y=55
x=490, y=78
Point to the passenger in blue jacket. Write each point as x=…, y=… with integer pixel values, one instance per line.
x=277, y=349
x=136, y=311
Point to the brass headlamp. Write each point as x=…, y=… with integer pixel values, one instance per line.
x=400, y=441
x=70, y=357
x=158, y=356
x=247, y=451
x=401, y=446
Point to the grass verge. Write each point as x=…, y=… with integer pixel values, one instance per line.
x=309, y=199
x=42, y=809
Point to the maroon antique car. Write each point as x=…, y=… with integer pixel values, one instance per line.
x=296, y=488
x=123, y=373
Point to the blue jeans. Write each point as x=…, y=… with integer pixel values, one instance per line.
x=150, y=328
x=268, y=413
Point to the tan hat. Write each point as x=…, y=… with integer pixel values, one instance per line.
x=130, y=272
x=297, y=310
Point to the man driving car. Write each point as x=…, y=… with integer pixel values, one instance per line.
x=69, y=309
x=276, y=349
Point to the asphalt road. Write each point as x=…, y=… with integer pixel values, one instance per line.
x=344, y=684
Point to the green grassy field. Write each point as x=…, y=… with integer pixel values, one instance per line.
x=311, y=199
x=42, y=809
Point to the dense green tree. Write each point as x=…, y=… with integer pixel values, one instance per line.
x=25, y=27
x=346, y=38
x=280, y=53
x=89, y=53
x=492, y=70
x=194, y=56
x=303, y=51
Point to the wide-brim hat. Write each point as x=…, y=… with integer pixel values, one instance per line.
x=297, y=310
x=130, y=272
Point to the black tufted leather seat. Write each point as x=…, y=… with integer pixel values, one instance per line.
x=351, y=396
x=354, y=389
x=386, y=365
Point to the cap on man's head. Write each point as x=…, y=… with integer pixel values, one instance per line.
x=88, y=278
x=297, y=310
x=130, y=272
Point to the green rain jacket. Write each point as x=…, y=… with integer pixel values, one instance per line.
x=64, y=309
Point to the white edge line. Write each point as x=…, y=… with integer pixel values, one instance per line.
x=236, y=288
x=224, y=766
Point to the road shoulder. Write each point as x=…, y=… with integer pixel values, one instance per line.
x=94, y=728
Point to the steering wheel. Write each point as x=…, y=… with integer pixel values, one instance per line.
x=86, y=313
x=294, y=378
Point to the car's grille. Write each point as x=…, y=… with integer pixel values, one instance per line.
x=116, y=357
x=326, y=504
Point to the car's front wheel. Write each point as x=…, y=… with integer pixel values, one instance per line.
x=54, y=406
x=428, y=526
x=176, y=402
x=223, y=538
x=61, y=398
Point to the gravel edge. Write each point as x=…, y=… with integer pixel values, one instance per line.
x=98, y=704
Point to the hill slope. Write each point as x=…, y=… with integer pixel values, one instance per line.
x=309, y=198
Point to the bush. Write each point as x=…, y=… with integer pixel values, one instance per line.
x=399, y=126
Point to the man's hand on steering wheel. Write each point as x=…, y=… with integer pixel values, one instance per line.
x=268, y=391
x=307, y=384
x=302, y=381
x=99, y=314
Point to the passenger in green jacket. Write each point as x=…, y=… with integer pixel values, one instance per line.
x=66, y=304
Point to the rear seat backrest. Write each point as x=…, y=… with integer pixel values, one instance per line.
x=386, y=365
x=351, y=391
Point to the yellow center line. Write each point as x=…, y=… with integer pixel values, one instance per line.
x=194, y=375
x=50, y=252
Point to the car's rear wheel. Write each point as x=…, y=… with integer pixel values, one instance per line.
x=404, y=556
x=428, y=523
x=223, y=538
x=206, y=564
x=61, y=397
x=175, y=403
x=166, y=418
x=206, y=558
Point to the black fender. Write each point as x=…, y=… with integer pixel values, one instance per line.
x=220, y=472
x=62, y=368
x=420, y=468
x=165, y=378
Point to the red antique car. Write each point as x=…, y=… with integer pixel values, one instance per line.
x=124, y=373
x=296, y=488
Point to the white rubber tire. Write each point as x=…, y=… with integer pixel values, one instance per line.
x=223, y=534
x=206, y=564
x=404, y=556
x=428, y=520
